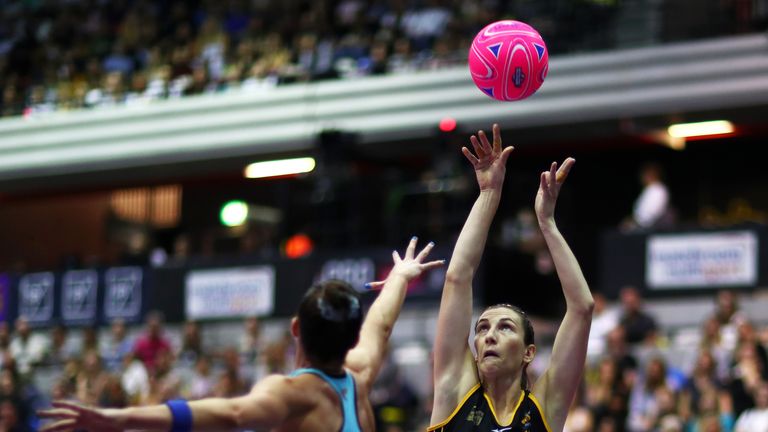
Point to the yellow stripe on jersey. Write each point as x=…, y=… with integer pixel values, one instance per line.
x=455, y=411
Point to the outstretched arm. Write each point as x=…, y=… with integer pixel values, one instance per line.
x=366, y=357
x=557, y=386
x=454, y=372
x=268, y=404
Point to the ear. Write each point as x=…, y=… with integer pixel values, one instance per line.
x=530, y=353
x=295, y=332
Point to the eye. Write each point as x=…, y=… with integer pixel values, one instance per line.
x=507, y=327
x=481, y=329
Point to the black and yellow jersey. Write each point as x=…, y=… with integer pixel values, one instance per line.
x=476, y=413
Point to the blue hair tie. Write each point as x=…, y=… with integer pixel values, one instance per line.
x=332, y=314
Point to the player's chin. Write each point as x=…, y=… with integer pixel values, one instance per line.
x=490, y=366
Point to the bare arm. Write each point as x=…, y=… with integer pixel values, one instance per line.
x=454, y=372
x=269, y=404
x=366, y=357
x=557, y=386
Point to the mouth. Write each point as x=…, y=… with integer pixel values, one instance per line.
x=490, y=354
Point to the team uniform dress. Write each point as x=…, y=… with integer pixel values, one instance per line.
x=476, y=413
x=345, y=388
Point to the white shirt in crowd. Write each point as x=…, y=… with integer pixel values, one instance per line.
x=651, y=205
x=752, y=420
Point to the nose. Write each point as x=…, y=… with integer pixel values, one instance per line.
x=490, y=337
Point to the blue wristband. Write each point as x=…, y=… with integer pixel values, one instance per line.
x=181, y=414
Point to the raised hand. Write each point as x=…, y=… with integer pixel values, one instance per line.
x=409, y=266
x=70, y=416
x=549, y=188
x=489, y=160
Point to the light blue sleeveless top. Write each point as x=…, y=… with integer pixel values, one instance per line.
x=345, y=388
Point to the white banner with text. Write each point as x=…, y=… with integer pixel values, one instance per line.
x=230, y=292
x=701, y=260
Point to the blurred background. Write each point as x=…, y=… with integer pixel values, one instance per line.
x=144, y=257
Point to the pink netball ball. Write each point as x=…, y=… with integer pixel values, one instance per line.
x=508, y=60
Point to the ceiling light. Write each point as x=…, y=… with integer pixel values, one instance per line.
x=281, y=167
x=687, y=130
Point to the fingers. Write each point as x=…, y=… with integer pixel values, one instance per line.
x=552, y=177
x=468, y=154
x=410, y=250
x=375, y=285
x=496, y=138
x=424, y=252
x=478, y=146
x=68, y=405
x=433, y=264
x=56, y=413
x=565, y=168
x=396, y=257
x=59, y=426
x=505, y=154
x=486, y=146
x=544, y=181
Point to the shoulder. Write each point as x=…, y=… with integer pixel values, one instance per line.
x=296, y=391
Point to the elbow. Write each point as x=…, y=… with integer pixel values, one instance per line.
x=235, y=419
x=583, y=308
x=457, y=278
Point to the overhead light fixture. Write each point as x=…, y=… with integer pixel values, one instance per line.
x=688, y=130
x=282, y=167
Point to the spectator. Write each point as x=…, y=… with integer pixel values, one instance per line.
x=652, y=208
x=5, y=343
x=713, y=412
x=92, y=379
x=10, y=418
x=703, y=377
x=755, y=419
x=650, y=397
x=27, y=348
x=604, y=319
x=114, y=348
x=728, y=316
x=250, y=343
x=191, y=344
x=62, y=347
x=607, y=395
x=747, y=373
x=134, y=379
x=165, y=381
x=153, y=342
x=202, y=382
x=639, y=326
x=712, y=341
x=619, y=351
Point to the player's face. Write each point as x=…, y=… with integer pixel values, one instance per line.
x=500, y=341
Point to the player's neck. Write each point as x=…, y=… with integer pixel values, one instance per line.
x=504, y=392
x=334, y=369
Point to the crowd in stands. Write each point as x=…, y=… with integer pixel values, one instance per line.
x=63, y=55
x=634, y=384
x=631, y=383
